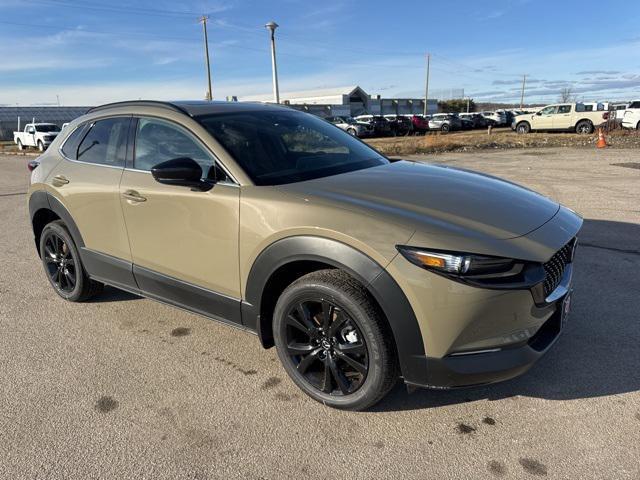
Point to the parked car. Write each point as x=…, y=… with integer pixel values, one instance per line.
x=420, y=124
x=352, y=126
x=508, y=116
x=617, y=111
x=478, y=120
x=494, y=118
x=381, y=127
x=399, y=124
x=631, y=117
x=309, y=238
x=465, y=123
x=565, y=117
x=444, y=122
x=38, y=135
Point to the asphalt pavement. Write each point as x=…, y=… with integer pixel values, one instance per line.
x=123, y=387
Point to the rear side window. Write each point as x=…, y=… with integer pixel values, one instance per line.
x=634, y=105
x=70, y=147
x=105, y=143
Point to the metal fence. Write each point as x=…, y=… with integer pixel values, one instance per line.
x=58, y=115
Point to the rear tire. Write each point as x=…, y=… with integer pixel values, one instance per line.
x=63, y=266
x=20, y=146
x=638, y=126
x=444, y=128
x=523, y=128
x=334, y=342
x=584, y=127
x=352, y=132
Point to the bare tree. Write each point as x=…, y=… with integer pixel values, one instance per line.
x=567, y=95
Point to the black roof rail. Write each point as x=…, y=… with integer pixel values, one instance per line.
x=140, y=103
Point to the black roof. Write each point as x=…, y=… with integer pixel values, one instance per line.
x=193, y=108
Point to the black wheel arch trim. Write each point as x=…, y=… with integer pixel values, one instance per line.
x=380, y=284
x=40, y=200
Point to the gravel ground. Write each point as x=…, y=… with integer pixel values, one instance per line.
x=123, y=387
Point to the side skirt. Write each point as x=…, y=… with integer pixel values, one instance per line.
x=162, y=288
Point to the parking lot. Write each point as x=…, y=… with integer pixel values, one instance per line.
x=124, y=387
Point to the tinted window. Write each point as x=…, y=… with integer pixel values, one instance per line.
x=158, y=141
x=564, y=109
x=47, y=128
x=105, y=143
x=70, y=147
x=276, y=147
x=634, y=105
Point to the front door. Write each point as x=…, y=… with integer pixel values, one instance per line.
x=543, y=120
x=184, y=242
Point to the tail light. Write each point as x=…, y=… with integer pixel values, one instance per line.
x=32, y=165
x=605, y=115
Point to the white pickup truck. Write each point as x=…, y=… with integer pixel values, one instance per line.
x=569, y=117
x=631, y=118
x=36, y=135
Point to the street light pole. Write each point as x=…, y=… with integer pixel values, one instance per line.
x=426, y=87
x=204, y=19
x=271, y=26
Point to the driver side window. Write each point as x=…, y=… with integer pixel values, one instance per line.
x=548, y=111
x=158, y=141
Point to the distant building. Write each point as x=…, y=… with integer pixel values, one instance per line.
x=350, y=101
x=9, y=117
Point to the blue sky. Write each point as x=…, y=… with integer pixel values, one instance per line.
x=89, y=52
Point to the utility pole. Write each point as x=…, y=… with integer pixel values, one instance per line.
x=468, y=101
x=271, y=26
x=204, y=19
x=426, y=87
x=524, y=81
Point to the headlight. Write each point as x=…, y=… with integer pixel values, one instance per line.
x=474, y=268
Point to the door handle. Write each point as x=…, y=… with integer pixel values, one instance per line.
x=133, y=196
x=60, y=180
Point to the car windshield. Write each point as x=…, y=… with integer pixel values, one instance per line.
x=47, y=128
x=278, y=147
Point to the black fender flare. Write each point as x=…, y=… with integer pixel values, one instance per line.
x=40, y=200
x=381, y=285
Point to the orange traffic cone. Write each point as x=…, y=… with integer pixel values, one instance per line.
x=602, y=143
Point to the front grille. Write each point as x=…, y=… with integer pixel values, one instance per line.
x=554, y=268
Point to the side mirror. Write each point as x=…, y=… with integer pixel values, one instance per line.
x=538, y=113
x=184, y=172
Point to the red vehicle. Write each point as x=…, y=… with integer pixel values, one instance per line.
x=420, y=124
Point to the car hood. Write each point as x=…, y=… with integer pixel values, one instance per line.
x=434, y=199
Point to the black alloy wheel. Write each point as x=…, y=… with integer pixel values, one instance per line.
x=63, y=265
x=333, y=340
x=326, y=346
x=59, y=263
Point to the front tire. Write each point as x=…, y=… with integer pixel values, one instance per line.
x=352, y=132
x=333, y=342
x=63, y=266
x=40, y=146
x=444, y=128
x=523, y=128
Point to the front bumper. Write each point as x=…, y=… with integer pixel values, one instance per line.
x=492, y=365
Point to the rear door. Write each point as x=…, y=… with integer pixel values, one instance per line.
x=87, y=182
x=563, y=118
x=184, y=242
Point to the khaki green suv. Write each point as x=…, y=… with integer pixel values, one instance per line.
x=357, y=268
